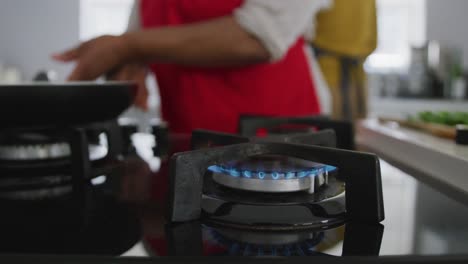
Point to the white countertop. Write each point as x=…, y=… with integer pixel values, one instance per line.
x=436, y=161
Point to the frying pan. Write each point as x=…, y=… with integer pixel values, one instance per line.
x=46, y=104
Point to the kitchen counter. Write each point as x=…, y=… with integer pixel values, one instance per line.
x=436, y=161
x=402, y=107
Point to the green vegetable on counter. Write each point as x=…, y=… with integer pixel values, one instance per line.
x=442, y=117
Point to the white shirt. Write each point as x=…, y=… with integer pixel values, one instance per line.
x=277, y=24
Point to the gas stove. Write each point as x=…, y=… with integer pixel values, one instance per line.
x=265, y=174
x=39, y=163
x=48, y=162
x=289, y=187
x=262, y=196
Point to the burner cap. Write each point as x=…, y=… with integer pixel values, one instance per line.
x=47, y=152
x=37, y=146
x=272, y=174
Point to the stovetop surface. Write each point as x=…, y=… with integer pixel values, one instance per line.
x=419, y=221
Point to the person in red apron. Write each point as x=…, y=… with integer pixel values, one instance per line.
x=214, y=60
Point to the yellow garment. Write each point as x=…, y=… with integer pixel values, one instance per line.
x=348, y=29
x=331, y=69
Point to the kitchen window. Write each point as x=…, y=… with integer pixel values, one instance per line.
x=401, y=25
x=99, y=17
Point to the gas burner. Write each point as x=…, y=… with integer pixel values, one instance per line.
x=263, y=184
x=46, y=145
x=40, y=163
x=50, y=151
x=272, y=174
x=35, y=152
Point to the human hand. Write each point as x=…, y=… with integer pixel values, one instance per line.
x=137, y=73
x=95, y=57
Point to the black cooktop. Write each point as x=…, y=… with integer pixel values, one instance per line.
x=126, y=223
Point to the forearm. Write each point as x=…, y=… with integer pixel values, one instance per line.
x=219, y=42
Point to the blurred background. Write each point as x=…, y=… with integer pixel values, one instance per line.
x=409, y=56
x=419, y=64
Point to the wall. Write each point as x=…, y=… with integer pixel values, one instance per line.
x=31, y=30
x=447, y=22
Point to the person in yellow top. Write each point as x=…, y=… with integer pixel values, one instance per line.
x=345, y=35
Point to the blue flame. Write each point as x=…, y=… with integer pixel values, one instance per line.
x=302, y=174
x=275, y=175
x=234, y=173
x=261, y=175
x=272, y=175
x=215, y=169
x=320, y=171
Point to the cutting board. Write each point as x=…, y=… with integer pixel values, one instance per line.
x=438, y=130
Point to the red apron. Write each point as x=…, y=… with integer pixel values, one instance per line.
x=215, y=98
